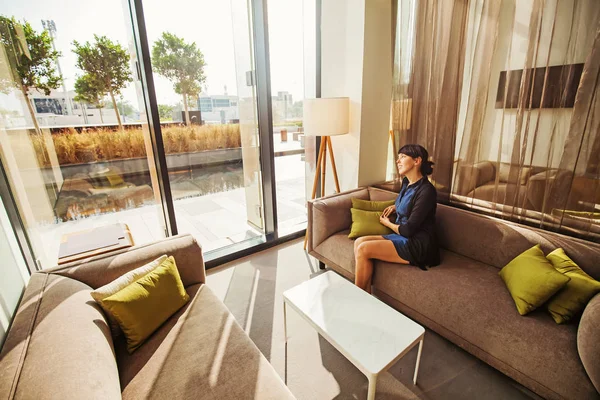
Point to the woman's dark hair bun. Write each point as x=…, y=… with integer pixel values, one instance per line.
x=427, y=167
x=415, y=151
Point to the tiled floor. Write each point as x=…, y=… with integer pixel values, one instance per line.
x=313, y=369
x=215, y=219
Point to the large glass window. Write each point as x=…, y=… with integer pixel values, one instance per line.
x=82, y=149
x=71, y=138
x=290, y=26
x=208, y=118
x=13, y=272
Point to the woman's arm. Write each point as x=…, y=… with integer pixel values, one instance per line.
x=424, y=203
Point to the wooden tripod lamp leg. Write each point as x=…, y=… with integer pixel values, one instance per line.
x=324, y=166
x=335, y=176
x=317, y=169
x=314, y=191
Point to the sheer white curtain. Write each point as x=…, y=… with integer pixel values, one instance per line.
x=503, y=95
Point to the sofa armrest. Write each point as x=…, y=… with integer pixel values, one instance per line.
x=471, y=176
x=588, y=344
x=331, y=214
x=98, y=271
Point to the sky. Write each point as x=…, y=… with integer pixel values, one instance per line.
x=210, y=24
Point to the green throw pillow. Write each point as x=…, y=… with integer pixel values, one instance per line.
x=114, y=178
x=367, y=223
x=573, y=298
x=141, y=307
x=368, y=205
x=531, y=279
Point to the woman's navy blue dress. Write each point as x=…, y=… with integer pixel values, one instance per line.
x=416, y=244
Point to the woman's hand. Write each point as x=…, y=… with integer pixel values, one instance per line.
x=385, y=221
x=388, y=210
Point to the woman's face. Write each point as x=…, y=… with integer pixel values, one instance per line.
x=406, y=163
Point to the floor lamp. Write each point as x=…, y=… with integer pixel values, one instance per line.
x=325, y=117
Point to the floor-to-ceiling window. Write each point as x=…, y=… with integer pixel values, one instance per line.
x=202, y=63
x=168, y=142
x=289, y=42
x=71, y=139
x=13, y=272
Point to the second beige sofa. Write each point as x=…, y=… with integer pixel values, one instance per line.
x=60, y=346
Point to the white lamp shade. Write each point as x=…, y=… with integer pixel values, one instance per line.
x=326, y=116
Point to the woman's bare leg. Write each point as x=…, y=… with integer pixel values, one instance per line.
x=363, y=239
x=366, y=252
x=363, y=268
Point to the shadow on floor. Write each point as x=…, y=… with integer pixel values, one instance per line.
x=315, y=370
x=446, y=372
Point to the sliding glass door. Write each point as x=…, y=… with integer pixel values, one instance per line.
x=203, y=80
x=72, y=142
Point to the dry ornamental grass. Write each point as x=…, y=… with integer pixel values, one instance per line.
x=100, y=144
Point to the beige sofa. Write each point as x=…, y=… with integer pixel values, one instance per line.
x=464, y=299
x=82, y=195
x=527, y=188
x=60, y=346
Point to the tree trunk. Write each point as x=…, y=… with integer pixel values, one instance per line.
x=187, y=111
x=101, y=117
x=50, y=155
x=31, y=111
x=112, y=97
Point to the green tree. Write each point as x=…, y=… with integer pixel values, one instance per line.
x=125, y=107
x=90, y=92
x=31, y=61
x=182, y=63
x=165, y=112
x=106, y=63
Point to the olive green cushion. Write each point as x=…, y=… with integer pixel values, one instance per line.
x=141, y=307
x=368, y=205
x=531, y=279
x=573, y=298
x=366, y=223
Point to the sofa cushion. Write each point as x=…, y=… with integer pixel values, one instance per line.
x=200, y=352
x=59, y=346
x=376, y=194
x=504, y=193
x=120, y=283
x=101, y=270
x=338, y=252
x=498, y=242
x=484, y=319
x=531, y=279
x=143, y=306
x=570, y=301
x=366, y=223
x=370, y=205
x=521, y=173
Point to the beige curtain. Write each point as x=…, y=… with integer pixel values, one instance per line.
x=503, y=95
x=429, y=58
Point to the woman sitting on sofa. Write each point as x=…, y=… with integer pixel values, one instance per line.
x=413, y=241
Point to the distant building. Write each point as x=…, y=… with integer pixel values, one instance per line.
x=283, y=107
x=52, y=110
x=218, y=109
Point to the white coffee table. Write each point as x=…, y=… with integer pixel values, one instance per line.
x=368, y=332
